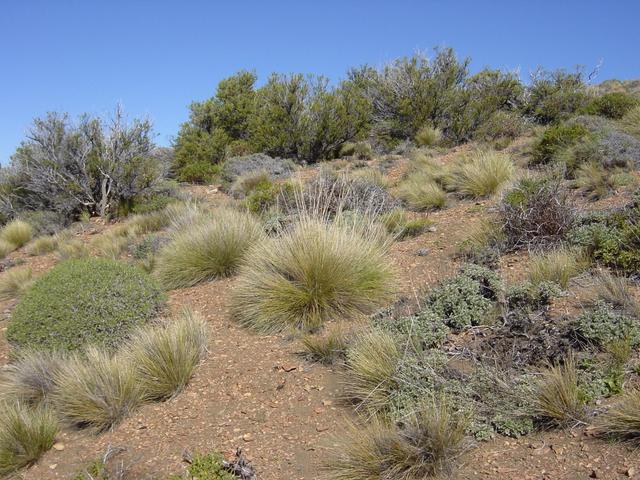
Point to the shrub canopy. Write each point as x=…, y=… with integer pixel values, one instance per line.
x=84, y=301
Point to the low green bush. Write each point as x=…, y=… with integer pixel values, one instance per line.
x=613, y=105
x=603, y=324
x=467, y=299
x=554, y=139
x=84, y=301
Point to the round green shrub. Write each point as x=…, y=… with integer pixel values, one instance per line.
x=84, y=301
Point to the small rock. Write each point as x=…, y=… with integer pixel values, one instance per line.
x=53, y=466
x=247, y=437
x=432, y=229
x=321, y=428
x=423, y=252
x=289, y=368
x=595, y=474
x=327, y=403
x=58, y=446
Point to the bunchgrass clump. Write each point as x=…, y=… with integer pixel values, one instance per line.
x=622, y=420
x=313, y=272
x=327, y=348
x=630, y=122
x=111, y=245
x=6, y=248
x=84, y=301
x=616, y=290
x=371, y=363
x=401, y=225
x=482, y=174
x=165, y=357
x=421, y=192
x=29, y=378
x=559, y=398
x=207, y=250
x=426, y=444
x=14, y=282
x=42, y=245
x=559, y=266
x=595, y=182
x=17, y=232
x=95, y=389
x=428, y=136
x=25, y=434
x=72, y=248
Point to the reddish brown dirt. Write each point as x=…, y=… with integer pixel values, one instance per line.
x=256, y=392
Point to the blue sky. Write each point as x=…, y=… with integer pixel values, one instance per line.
x=156, y=56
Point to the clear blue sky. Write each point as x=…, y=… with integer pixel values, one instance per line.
x=156, y=56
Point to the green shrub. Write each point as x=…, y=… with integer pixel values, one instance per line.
x=96, y=390
x=428, y=136
x=207, y=467
x=17, y=232
x=602, y=324
x=266, y=195
x=554, y=96
x=423, y=330
x=44, y=222
x=554, y=139
x=25, y=435
x=15, y=282
x=209, y=249
x=199, y=172
x=527, y=297
x=482, y=174
x=613, y=105
x=84, y=301
x=611, y=239
x=467, y=299
x=165, y=357
x=313, y=272
x=359, y=150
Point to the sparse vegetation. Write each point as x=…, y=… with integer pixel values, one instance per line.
x=327, y=348
x=622, y=419
x=209, y=249
x=314, y=271
x=43, y=245
x=25, y=435
x=84, y=301
x=421, y=192
x=400, y=224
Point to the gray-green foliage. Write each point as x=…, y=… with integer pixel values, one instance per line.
x=603, y=324
x=467, y=299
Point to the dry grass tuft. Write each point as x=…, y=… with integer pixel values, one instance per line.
x=42, y=245
x=622, y=420
x=482, y=174
x=96, y=389
x=559, y=266
x=72, y=248
x=17, y=232
x=371, y=363
x=6, y=248
x=313, y=272
x=14, y=282
x=427, y=444
x=421, y=192
x=428, y=136
x=616, y=290
x=559, y=398
x=29, y=378
x=327, y=348
x=25, y=434
x=208, y=250
x=165, y=357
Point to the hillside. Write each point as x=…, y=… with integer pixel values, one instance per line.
x=415, y=273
